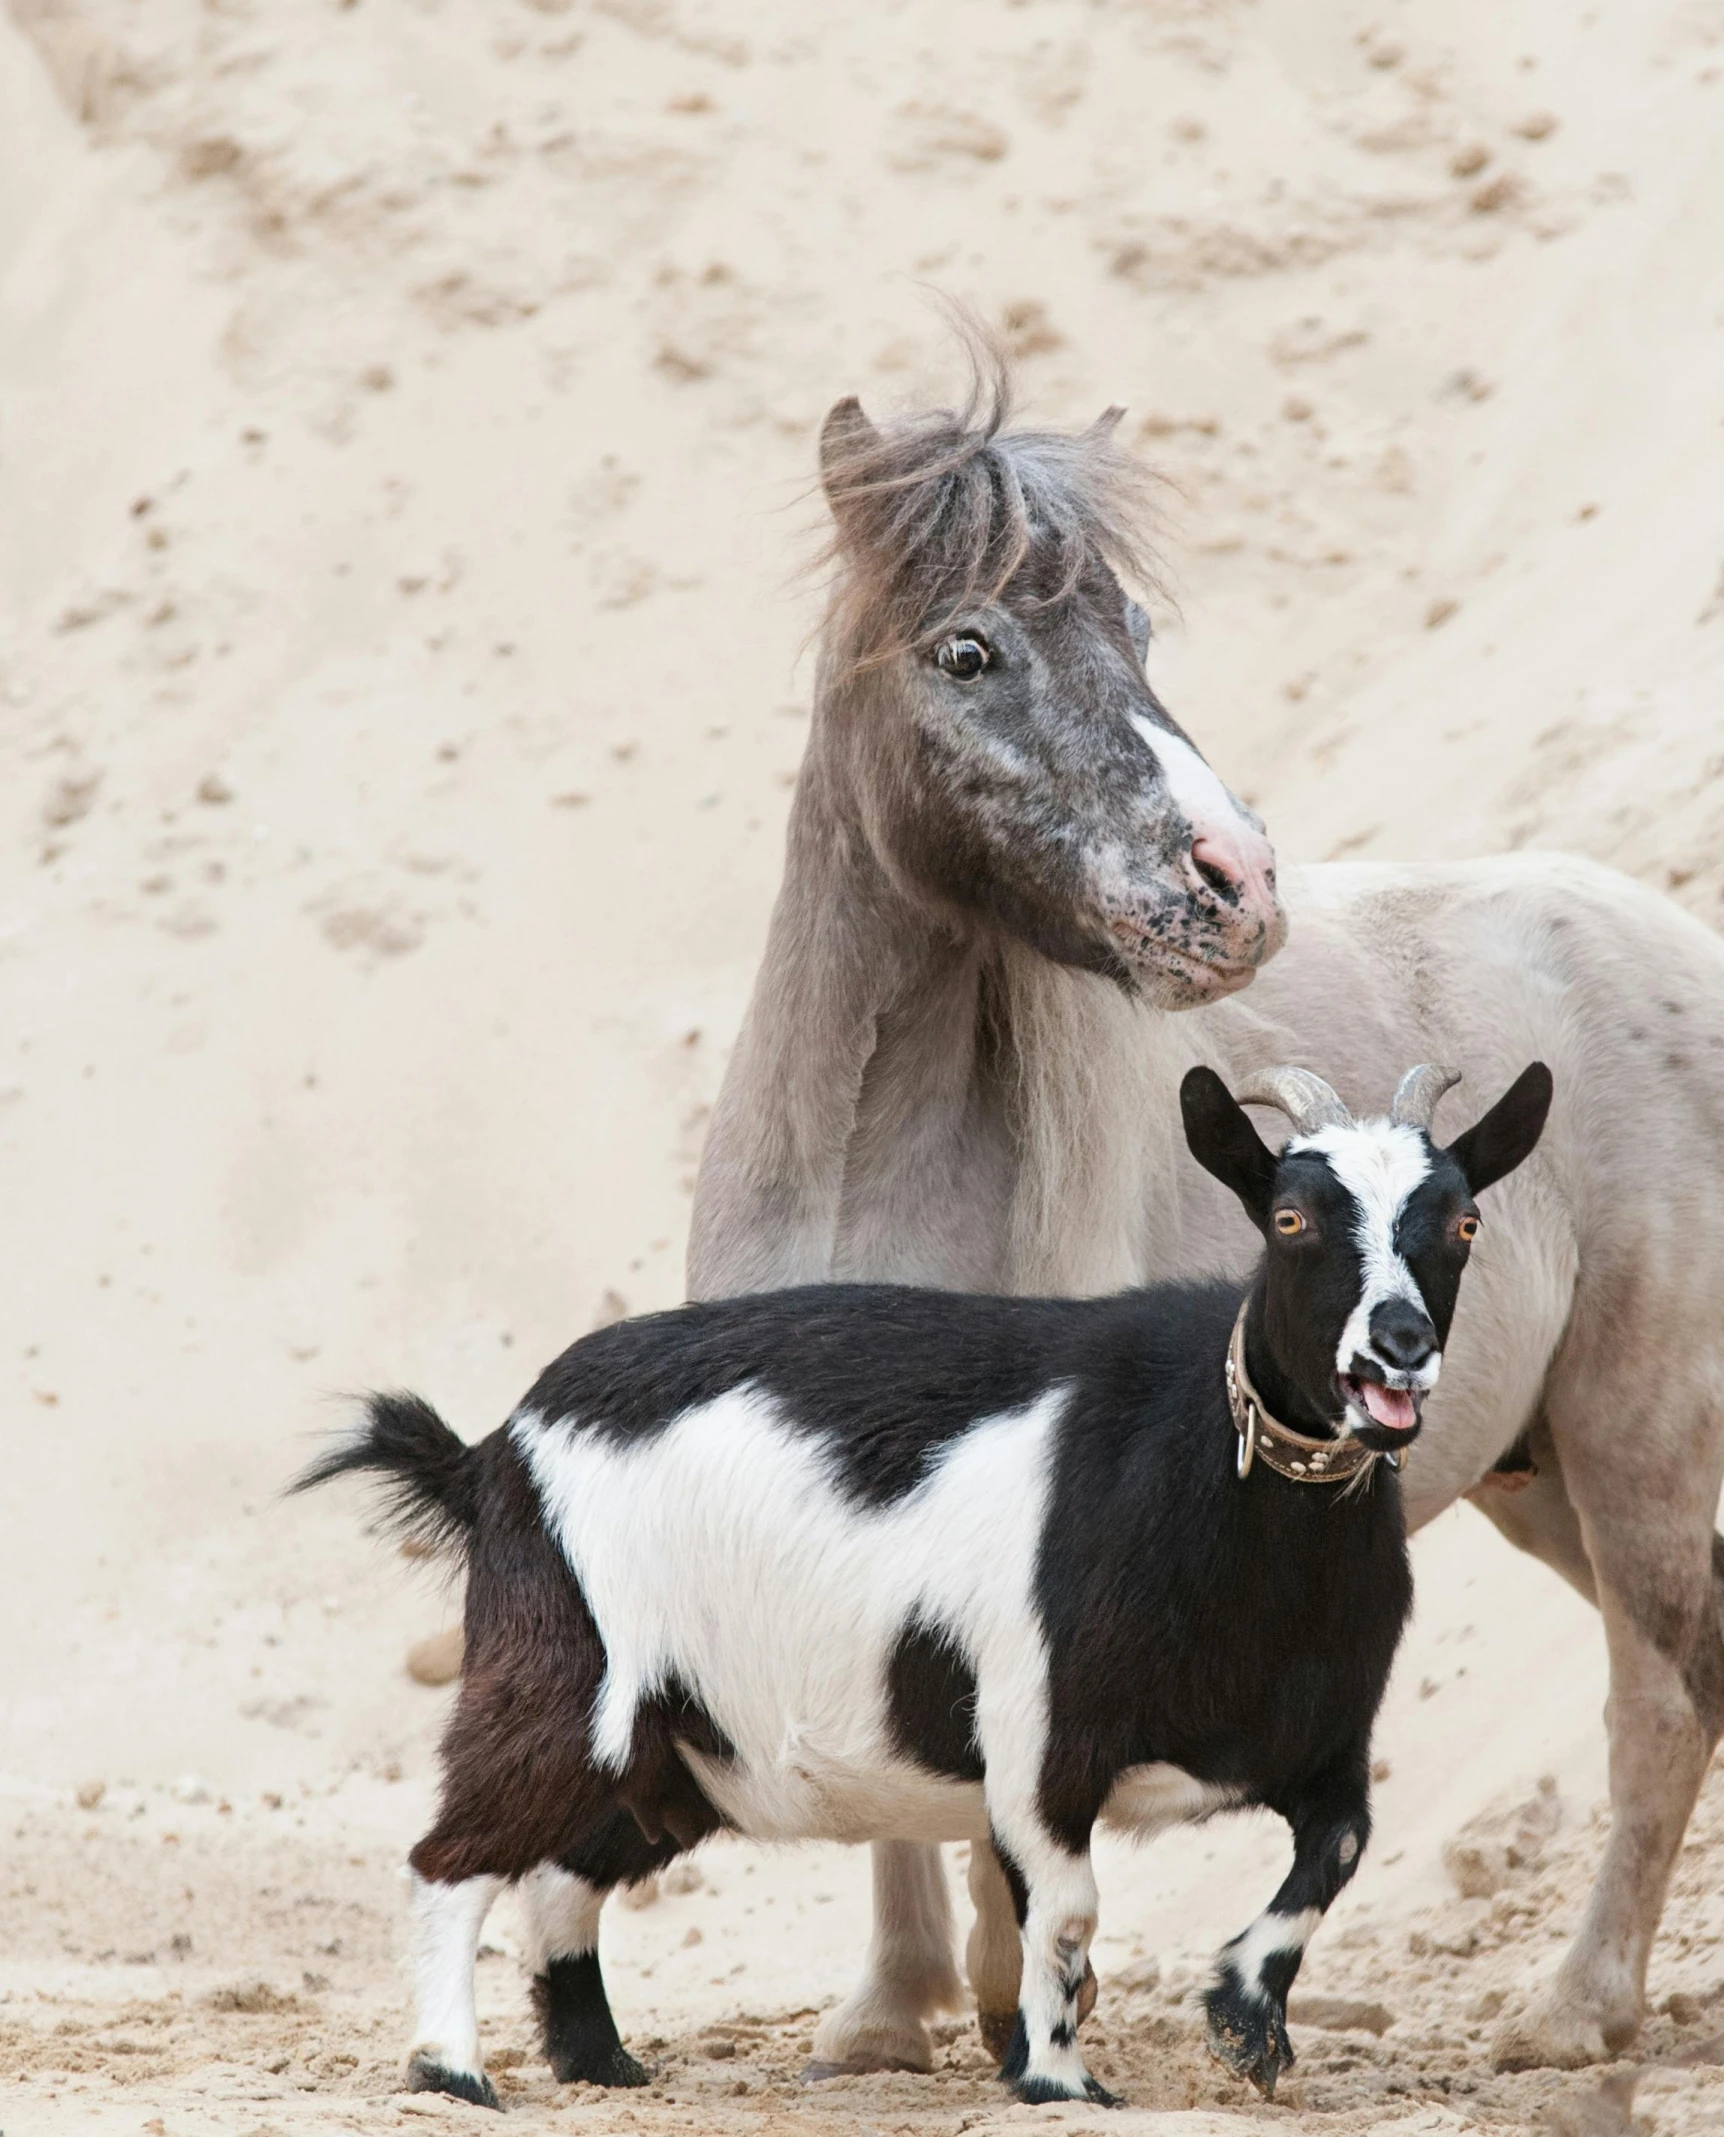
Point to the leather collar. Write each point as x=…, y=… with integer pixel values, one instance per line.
x=1290, y=1454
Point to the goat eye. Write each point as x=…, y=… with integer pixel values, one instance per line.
x=963, y=659
x=1289, y=1223
x=1467, y=1228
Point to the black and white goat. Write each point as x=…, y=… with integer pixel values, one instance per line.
x=858, y=1561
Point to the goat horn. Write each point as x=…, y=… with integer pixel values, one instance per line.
x=1308, y=1102
x=1415, y=1099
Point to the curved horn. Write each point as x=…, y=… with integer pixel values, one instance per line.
x=1417, y=1093
x=1308, y=1102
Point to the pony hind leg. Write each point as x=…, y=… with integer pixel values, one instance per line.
x=1643, y=1478
x=910, y=1972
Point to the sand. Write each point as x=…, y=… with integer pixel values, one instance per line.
x=406, y=417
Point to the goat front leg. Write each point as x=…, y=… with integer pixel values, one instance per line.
x=910, y=1972
x=1247, y=2000
x=994, y=1955
x=447, y=1919
x=1053, y=1890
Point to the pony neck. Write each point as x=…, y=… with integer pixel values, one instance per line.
x=886, y=1045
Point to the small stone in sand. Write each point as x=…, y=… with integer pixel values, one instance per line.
x=438, y=1659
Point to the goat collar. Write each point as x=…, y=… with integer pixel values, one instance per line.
x=1290, y=1454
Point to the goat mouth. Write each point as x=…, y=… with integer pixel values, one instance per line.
x=1381, y=1417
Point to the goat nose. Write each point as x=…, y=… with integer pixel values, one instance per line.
x=1402, y=1335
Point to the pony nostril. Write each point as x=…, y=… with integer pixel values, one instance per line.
x=1212, y=867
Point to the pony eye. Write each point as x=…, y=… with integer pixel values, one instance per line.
x=963, y=659
x=1467, y=1228
x=1289, y=1223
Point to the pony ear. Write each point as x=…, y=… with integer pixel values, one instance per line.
x=1108, y=421
x=846, y=437
x=1137, y=623
x=1224, y=1142
x=1496, y=1143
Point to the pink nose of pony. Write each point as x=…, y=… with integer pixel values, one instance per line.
x=1236, y=863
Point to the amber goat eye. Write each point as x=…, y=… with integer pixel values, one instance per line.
x=962, y=658
x=1467, y=1228
x=1289, y=1223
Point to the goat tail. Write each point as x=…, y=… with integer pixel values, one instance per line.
x=428, y=1475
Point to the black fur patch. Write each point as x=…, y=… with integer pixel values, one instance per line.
x=582, y=2044
x=932, y=1364
x=931, y=1704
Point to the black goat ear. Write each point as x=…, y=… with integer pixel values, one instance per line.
x=1224, y=1142
x=1497, y=1142
x=1137, y=623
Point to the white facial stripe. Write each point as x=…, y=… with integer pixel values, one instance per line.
x=1205, y=802
x=1380, y=1166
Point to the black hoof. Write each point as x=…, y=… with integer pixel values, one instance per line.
x=615, y=2069
x=580, y=2035
x=1048, y=2092
x=1249, y=2037
x=423, y=2075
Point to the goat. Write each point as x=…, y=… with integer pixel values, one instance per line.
x=863, y=1561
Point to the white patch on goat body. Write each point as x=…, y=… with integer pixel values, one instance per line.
x=1268, y=1938
x=1380, y=1165
x=724, y=1550
x=1194, y=785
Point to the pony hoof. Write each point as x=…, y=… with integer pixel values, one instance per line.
x=1088, y=1989
x=817, y=2070
x=426, y=2075
x=846, y=2047
x=996, y=2029
x=1557, y=2038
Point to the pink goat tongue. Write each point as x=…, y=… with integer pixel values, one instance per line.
x=1389, y=1406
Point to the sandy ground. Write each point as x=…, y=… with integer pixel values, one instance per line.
x=406, y=409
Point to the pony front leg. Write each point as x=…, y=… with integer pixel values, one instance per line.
x=1247, y=2000
x=910, y=1972
x=446, y=1922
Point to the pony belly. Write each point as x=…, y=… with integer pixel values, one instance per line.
x=1145, y=1800
x=808, y=1795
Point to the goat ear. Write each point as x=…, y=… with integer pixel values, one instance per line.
x=846, y=437
x=1137, y=623
x=1224, y=1142
x=1495, y=1144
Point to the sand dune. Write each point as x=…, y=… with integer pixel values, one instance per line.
x=406, y=417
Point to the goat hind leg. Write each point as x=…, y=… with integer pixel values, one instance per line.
x=580, y=2035
x=910, y=1973
x=447, y=1919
